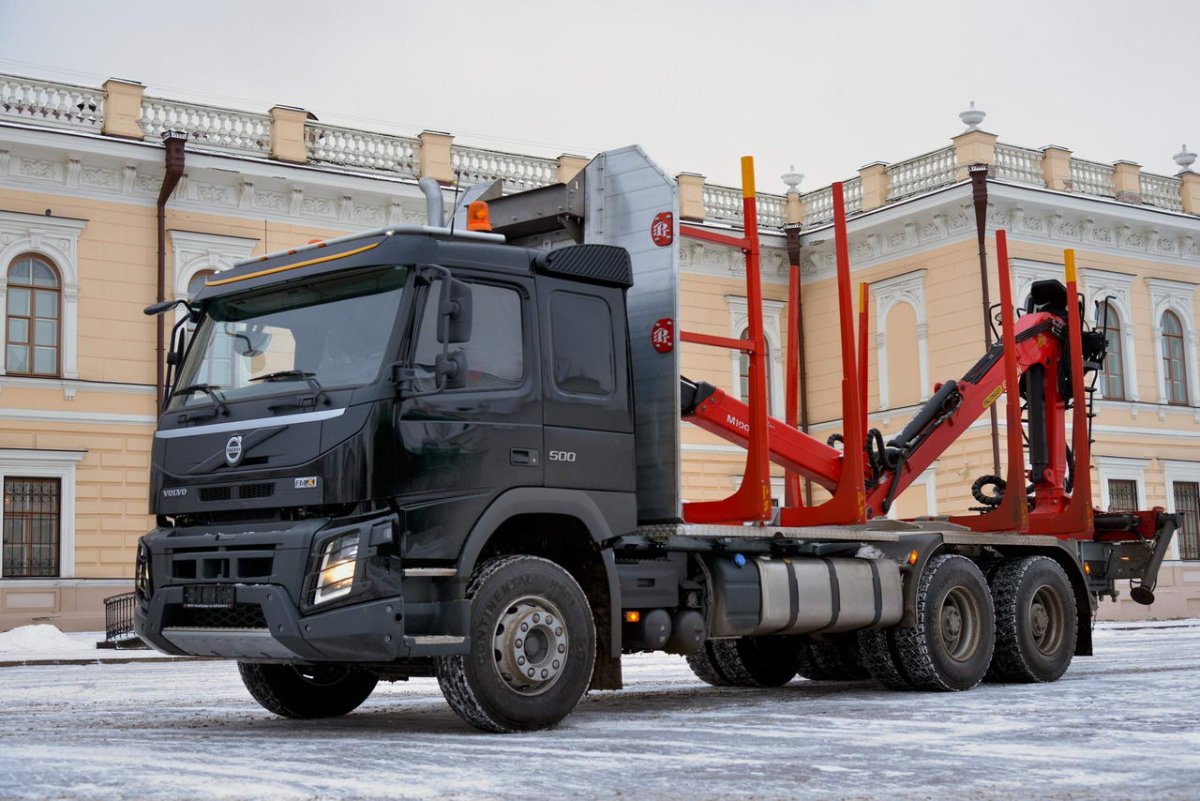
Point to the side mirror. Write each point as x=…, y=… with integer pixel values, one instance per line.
x=454, y=310
x=451, y=369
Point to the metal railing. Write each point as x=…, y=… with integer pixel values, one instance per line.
x=118, y=619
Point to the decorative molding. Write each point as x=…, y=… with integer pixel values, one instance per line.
x=56, y=238
x=1121, y=468
x=907, y=288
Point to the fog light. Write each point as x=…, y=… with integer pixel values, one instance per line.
x=338, y=565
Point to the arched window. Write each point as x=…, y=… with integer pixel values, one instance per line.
x=1112, y=379
x=744, y=369
x=32, y=317
x=1174, y=365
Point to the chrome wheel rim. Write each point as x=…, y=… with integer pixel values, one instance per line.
x=530, y=645
x=958, y=624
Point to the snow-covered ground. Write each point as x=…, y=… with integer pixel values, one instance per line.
x=45, y=643
x=1123, y=724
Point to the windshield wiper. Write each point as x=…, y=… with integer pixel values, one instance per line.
x=210, y=390
x=295, y=375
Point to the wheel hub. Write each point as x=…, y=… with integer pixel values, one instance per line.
x=530, y=645
x=959, y=624
x=1047, y=620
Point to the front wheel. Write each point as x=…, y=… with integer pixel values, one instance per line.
x=307, y=691
x=532, y=647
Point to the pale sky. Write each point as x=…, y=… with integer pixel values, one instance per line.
x=828, y=86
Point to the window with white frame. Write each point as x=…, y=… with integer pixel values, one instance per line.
x=1171, y=305
x=907, y=290
x=1122, y=483
x=36, y=251
x=1183, y=499
x=1108, y=297
x=37, y=520
x=739, y=323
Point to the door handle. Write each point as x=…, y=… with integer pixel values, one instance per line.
x=523, y=457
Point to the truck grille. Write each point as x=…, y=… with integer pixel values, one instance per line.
x=263, y=489
x=239, y=616
x=230, y=563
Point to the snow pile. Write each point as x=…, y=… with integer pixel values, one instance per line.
x=41, y=639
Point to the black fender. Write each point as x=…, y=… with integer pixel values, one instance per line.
x=603, y=514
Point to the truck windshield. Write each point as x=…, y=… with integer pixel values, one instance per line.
x=331, y=333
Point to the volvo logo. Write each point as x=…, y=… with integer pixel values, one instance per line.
x=233, y=451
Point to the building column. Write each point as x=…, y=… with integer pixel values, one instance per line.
x=875, y=185
x=436, y=161
x=1127, y=181
x=568, y=167
x=1189, y=192
x=691, y=196
x=122, y=108
x=1056, y=168
x=287, y=134
x=972, y=147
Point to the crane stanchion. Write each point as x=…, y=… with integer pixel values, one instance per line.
x=864, y=293
x=752, y=500
x=848, y=504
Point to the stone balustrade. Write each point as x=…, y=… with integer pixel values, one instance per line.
x=292, y=135
x=347, y=147
x=59, y=105
x=208, y=127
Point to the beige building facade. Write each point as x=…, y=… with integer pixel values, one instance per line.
x=81, y=170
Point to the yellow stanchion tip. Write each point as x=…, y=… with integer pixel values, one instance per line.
x=748, y=176
x=1069, y=260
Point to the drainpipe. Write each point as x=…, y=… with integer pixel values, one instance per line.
x=979, y=196
x=796, y=319
x=174, y=145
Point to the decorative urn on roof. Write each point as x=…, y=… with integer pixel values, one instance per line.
x=792, y=179
x=972, y=117
x=1185, y=159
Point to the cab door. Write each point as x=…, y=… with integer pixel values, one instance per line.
x=465, y=445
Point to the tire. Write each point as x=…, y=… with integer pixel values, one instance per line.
x=1036, y=621
x=877, y=648
x=950, y=647
x=746, y=662
x=832, y=660
x=704, y=664
x=307, y=691
x=517, y=605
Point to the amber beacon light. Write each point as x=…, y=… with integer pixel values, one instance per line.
x=478, y=218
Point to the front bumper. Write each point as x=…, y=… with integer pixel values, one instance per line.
x=392, y=615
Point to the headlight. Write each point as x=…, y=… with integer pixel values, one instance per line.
x=339, y=561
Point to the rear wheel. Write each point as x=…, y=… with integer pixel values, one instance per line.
x=307, y=691
x=533, y=646
x=881, y=660
x=837, y=659
x=746, y=662
x=950, y=647
x=1036, y=621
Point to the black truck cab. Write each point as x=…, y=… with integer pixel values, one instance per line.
x=353, y=421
